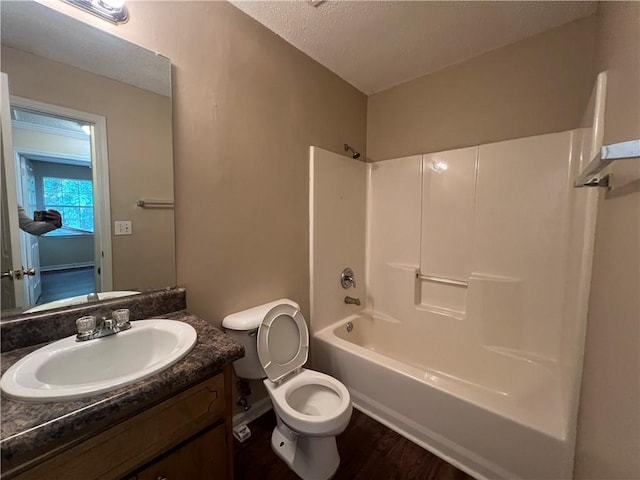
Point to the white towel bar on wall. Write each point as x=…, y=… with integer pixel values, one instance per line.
x=608, y=153
x=442, y=280
x=148, y=203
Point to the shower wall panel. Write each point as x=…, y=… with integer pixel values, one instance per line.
x=521, y=228
x=448, y=195
x=337, y=232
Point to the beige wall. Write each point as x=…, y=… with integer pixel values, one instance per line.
x=140, y=166
x=246, y=108
x=608, y=442
x=537, y=85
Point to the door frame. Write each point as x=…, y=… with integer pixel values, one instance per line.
x=11, y=186
x=100, y=178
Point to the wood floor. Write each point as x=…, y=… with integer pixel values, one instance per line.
x=368, y=451
x=66, y=283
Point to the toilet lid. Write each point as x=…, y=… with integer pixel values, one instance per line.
x=283, y=341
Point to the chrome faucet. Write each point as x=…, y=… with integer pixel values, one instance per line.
x=88, y=330
x=352, y=301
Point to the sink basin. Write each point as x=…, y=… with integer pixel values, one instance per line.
x=67, y=370
x=79, y=300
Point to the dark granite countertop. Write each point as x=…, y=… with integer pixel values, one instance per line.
x=30, y=429
x=19, y=331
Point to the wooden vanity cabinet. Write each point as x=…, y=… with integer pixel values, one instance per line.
x=188, y=436
x=202, y=457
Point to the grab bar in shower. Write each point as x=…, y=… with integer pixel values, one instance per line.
x=608, y=153
x=442, y=280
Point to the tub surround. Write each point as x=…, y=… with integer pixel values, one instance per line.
x=21, y=331
x=477, y=306
x=33, y=432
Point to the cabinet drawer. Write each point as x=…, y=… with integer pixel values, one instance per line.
x=201, y=458
x=136, y=441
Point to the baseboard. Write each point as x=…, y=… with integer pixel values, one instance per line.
x=257, y=409
x=66, y=266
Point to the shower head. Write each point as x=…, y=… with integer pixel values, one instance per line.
x=354, y=153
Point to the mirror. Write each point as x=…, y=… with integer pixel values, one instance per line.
x=87, y=133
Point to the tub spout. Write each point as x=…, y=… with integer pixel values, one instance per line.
x=352, y=301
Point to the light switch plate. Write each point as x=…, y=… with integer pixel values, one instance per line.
x=123, y=227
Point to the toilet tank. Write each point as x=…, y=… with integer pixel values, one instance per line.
x=248, y=366
x=243, y=328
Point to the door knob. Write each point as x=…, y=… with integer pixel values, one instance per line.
x=8, y=274
x=19, y=273
x=30, y=271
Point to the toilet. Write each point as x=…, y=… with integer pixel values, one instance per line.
x=311, y=407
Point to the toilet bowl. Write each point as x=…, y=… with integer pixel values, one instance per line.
x=311, y=407
x=311, y=403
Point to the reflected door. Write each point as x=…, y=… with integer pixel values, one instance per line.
x=30, y=250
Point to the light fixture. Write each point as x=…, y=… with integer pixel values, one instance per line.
x=113, y=11
x=117, y=4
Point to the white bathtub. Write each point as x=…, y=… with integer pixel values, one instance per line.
x=492, y=414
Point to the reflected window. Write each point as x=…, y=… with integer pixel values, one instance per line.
x=74, y=200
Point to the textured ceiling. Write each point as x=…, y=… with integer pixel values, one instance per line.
x=376, y=45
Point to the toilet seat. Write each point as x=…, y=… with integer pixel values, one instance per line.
x=308, y=402
x=283, y=341
x=332, y=418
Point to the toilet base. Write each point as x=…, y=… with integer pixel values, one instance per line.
x=311, y=458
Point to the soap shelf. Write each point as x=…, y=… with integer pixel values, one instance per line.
x=608, y=153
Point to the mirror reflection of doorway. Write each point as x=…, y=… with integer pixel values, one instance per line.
x=54, y=158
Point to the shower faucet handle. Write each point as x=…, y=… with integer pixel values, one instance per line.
x=347, y=279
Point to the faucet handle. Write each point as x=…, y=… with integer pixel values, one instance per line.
x=86, y=325
x=121, y=316
x=347, y=279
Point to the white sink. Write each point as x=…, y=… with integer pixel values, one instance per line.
x=80, y=299
x=66, y=369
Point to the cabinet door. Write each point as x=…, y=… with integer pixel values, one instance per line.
x=202, y=458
